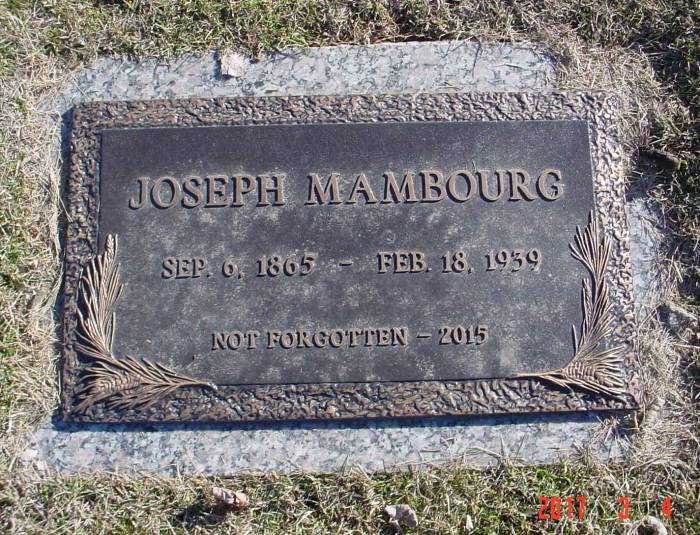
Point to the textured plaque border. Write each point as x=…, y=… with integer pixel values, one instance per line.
x=193, y=401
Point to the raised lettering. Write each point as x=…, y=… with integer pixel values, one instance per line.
x=216, y=191
x=433, y=181
x=156, y=191
x=320, y=195
x=362, y=186
x=169, y=267
x=242, y=184
x=519, y=184
x=552, y=191
x=264, y=188
x=399, y=336
x=452, y=186
x=143, y=194
x=405, y=193
x=484, y=184
x=192, y=194
x=218, y=341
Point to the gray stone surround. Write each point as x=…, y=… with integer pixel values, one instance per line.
x=326, y=446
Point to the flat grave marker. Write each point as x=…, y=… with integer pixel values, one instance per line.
x=251, y=259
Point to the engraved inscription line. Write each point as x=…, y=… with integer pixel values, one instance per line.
x=425, y=186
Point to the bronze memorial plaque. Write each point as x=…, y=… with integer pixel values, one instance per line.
x=276, y=258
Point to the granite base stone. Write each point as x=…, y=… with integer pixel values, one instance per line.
x=448, y=66
x=319, y=446
x=188, y=449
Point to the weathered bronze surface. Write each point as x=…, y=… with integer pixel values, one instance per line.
x=343, y=257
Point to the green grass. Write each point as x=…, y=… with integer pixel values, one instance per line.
x=348, y=503
x=39, y=40
x=6, y=376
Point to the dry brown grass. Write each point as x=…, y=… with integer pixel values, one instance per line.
x=30, y=253
x=643, y=52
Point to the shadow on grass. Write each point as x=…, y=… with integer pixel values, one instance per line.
x=203, y=515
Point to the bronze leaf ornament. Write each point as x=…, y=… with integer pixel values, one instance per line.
x=123, y=383
x=592, y=368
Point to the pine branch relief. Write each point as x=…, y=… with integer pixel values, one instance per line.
x=122, y=383
x=592, y=368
